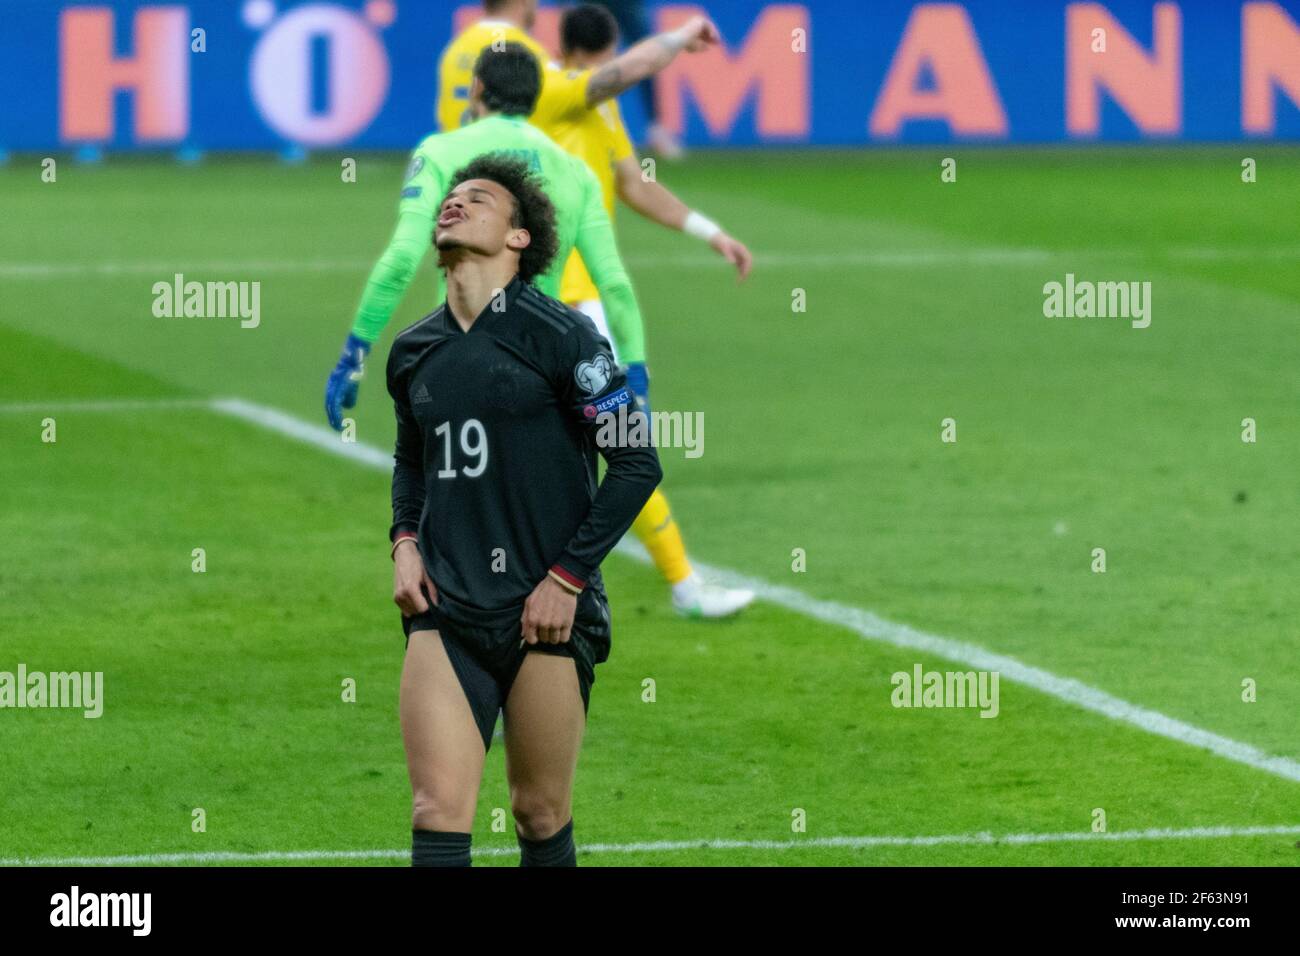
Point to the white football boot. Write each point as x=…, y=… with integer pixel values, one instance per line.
x=694, y=598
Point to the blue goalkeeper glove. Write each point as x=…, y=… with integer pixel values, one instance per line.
x=341, y=389
x=638, y=379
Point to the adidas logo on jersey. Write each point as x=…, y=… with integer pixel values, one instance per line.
x=421, y=396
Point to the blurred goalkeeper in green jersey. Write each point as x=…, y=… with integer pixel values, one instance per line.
x=505, y=89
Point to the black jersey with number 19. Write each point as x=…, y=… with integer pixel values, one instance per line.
x=495, y=465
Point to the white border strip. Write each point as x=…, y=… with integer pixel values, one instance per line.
x=673, y=846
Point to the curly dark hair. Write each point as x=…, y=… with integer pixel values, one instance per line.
x=533, y=210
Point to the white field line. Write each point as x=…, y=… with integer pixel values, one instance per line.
x=295, y=428
x=863, y=622
x=873, y=627
x=673, y=846
x=836, y=259
x=866, y=624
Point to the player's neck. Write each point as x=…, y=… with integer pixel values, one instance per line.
x=472, y=281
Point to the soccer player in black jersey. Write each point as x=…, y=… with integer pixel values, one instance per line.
x=499, y=524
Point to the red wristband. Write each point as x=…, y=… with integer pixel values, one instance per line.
x=564, y=577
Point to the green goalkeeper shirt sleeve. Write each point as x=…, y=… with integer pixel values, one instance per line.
x=392, y=274
x=599, y=252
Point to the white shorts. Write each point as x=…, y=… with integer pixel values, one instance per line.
x=593, y=310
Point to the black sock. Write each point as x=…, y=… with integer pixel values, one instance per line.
x=439, y=848
x=557, y=850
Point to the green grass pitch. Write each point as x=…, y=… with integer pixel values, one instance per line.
x=923, y=302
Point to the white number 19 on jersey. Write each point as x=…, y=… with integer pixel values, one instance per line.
x=473, y=443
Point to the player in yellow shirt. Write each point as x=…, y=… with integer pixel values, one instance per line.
x=565, y=93
x=506, y=21
x=589, y=37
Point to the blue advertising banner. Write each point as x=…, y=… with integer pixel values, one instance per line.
x=266, y=74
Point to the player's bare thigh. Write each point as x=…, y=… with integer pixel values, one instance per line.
x=544, y=722
x=444, y=751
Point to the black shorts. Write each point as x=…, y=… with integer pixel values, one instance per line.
x=487, y=657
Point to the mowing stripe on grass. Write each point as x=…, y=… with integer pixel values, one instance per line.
x=673, y=846
x=862, y=622
x=830, y=259
x=873, y=627
x=104, y=405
